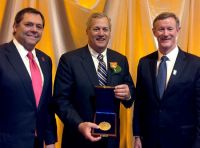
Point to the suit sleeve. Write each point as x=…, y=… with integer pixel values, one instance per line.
x=128, y=80
x=138, y=103
x=197, y=99
x=63, y=94
x=51, y=129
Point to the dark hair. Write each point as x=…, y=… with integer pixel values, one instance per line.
x=97, y=15
x=165, y=15
x=20, y=14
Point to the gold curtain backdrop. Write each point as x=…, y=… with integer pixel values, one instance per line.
x=131, y=32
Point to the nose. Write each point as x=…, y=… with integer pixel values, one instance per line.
x=34, y=28
x=101, y=32
x=165, y=32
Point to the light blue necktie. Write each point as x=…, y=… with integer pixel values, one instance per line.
x=162, y=75
x=101, y=71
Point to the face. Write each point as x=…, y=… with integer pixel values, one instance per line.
x=99, y=34
x=166, y=32
x=29, y=31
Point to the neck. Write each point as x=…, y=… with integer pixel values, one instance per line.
x=165, y=51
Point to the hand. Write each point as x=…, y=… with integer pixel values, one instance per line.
x=138, y=143
x=50, y=146
x=85, y=129
x=122, y=92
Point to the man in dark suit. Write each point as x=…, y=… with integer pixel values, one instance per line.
x=168, y=117
x=76, y=77
x=25, y=121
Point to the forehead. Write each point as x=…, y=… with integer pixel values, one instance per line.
x=170, y=21
x=100, y=22
x=32, y=17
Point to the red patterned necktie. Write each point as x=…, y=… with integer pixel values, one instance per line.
x=36, y=77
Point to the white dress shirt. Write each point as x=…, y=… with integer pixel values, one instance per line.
x=95, y=55
x=170, y=63
x=23, y=53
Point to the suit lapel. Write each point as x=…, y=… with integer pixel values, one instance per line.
x=176, y=72
x=89, y=67
x=153, y=69
x=17, y=63
x=45, y=70
x=110, y=58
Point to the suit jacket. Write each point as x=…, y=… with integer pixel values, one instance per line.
x=74, y=94
x=18, y=112
x=174, y=120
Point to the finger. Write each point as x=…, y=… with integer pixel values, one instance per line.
x=121, y=94
x=119, y=97
x=94, y=138
x=93, y=125
x=120, y=91
x=121, y=86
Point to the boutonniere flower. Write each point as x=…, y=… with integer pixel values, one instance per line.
x=115, y=67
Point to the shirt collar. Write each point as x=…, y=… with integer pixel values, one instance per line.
x=94, y=53
x=22, y=51
x=171, y=55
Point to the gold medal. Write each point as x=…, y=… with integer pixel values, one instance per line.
x=104, y=126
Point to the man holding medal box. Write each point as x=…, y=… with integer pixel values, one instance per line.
x=77, y=75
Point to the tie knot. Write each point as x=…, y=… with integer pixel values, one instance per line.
x=164, y=58
x=100, y=57
x=30, y=55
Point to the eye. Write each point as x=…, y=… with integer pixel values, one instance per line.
x=170, y=28
x=95, y=29
x=29, y=24
x=39, y=26
x=161, y=29
x=106, y=29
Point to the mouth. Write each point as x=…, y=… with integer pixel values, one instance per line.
x=100, y=39
x=33, y=36
x=165, y=39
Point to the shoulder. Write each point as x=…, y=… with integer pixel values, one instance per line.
x=5, y=46
x=41, y=54
x=75, y=54
x=113, y=52
x=190, y=56
x=115, y=55
x=191, y=60
x=152, y=57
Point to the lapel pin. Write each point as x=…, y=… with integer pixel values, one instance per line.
x=43, y=59
x=174, y=72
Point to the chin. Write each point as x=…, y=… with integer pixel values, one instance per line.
x=101, y=47
x=32, y=41
x=165, y=45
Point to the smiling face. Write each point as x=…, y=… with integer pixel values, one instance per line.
x=29, y=30
x=98, y=34
x=166, y=32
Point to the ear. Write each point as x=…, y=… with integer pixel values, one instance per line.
x=110, y=35
x=154, y=31
x=86, y=31
x=14, y=27
x=178, y=29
